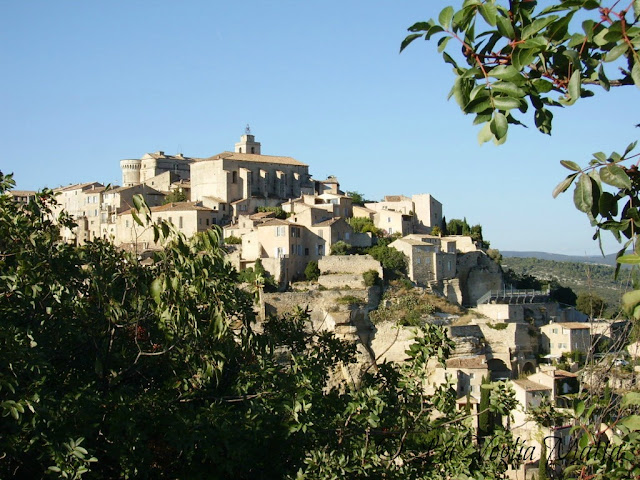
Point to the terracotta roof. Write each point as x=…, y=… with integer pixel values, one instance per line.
x=77, y=186
x=467, y=362
x=251, y=157
x=326, y=223
x=564, y=373
x=572, y=325
x=262, y=215
x=272, y=222
x=530, y=386
x=21, y=193
x=175, y=207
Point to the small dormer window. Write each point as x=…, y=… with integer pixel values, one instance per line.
x=253, y=150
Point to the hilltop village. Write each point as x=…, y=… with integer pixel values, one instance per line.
x=274, y=213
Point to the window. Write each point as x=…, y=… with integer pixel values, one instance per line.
x=280, y=231
x=388, y=219
x=347, y=235
x=418, y=260
x=449, y=265
x=207, y=221
x=253, y=150
x=279, y=252
x=319, y=250
x=306, y=251
x=555, y=330
x=234, y=177
x=390, y=231
x=179, y=222
x=126, y=223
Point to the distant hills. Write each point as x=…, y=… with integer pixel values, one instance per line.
x=597, y=259
x=580, y=273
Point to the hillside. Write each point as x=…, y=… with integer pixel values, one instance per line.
x=594, y=259
x=579, y=276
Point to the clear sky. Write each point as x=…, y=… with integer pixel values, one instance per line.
x=86, y=84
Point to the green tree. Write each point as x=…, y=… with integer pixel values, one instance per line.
x=340, y=248
x=311, y=271
x=114, y=369
x=394, y=262
x=542, y=463
x=484, y=421
x=357, y=198
x=363, y=225
x=590, y=304
x=176, y=196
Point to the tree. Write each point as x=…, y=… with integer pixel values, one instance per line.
x=542, y=463
x=115, y=369
x=590, y=304
x=357, y=198
x=394, y=262
x=176, y=196
x=509, y=56
x=364, y=225
x=340, y=248
x=311, y=271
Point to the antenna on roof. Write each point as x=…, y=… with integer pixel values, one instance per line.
x=247, y=130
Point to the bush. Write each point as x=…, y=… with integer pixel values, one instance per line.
x=393, y=261
x=349, y=300
x=279, y=212
x=340, y=248
x=232, y=240
x=497, y=326
x=312, y=272
x=371, y=278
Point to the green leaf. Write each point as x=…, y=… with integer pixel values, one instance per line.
x=570, y=165
x=499, y=125
x=614, y=175
x=442, y=43
x=583, y=194
x=632, y=422
x=564, y=185
x=579, y=408
x=537, y=25
x=509, y=88
x=636, y=8
x=446, y=15
x=156, y=289
x=506, y=103
x=631, y=398
x=574, y=86
x=505, y=27
x=630, y=300
x=407, y=41
x=630, y=259
x=136, y=218
x=137, y=202
x=489, y=12
x=485, y=134
x=635, y=74
x=615, y=52
x=505, y=72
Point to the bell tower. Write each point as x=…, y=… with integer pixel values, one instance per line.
x=247, y=143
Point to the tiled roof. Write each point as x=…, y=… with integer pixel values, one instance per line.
x=262, y=215
x=251, y=157
x=530, y=386
x=175, y=207
x=21, y=193
x=572, y=325
x=77, y=186
x=326, y=223
x=272, y=222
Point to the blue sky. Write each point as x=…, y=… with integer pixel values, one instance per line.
x=87, y=84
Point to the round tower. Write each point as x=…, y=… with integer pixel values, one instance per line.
x=130, y=172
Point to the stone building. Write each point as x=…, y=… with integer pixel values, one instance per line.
x=135, y=171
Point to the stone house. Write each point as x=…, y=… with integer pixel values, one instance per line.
x=246, y=173
x=425, y=211
x=187, y=217
x=565, y=337
x=22, y=197
x=135, y=171
x=430, y=259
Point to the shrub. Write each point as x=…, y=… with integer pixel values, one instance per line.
x=340, y=248
x=497, y=326
x=232, y=240
x=312, y=272
x=349, y=300
x=371, y=278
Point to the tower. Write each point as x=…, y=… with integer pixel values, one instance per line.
x=130, y=172
x=247, y=143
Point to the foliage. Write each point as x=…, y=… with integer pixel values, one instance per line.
x=404, y=307
x=117, y=370
x=394, y=262
x=542, y=463
x=590, y=304
x=513, y=55
x=498, y=326
x=510, y=56
x=349, y=300
x=340, y=248
x=233, y=240
x=533, y=273
x=495, y=255
x=176, y=196
x=371, y=278
x=278, y=211
x=364, y=225
x=436, y=231
x=357, y=198
x=311, y=271
x=258, y=277
x=484, y=423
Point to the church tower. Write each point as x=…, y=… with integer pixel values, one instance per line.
x=247, y=143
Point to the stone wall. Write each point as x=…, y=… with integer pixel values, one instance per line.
x=502, y=312
x=353, y=264
x=477, y=274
